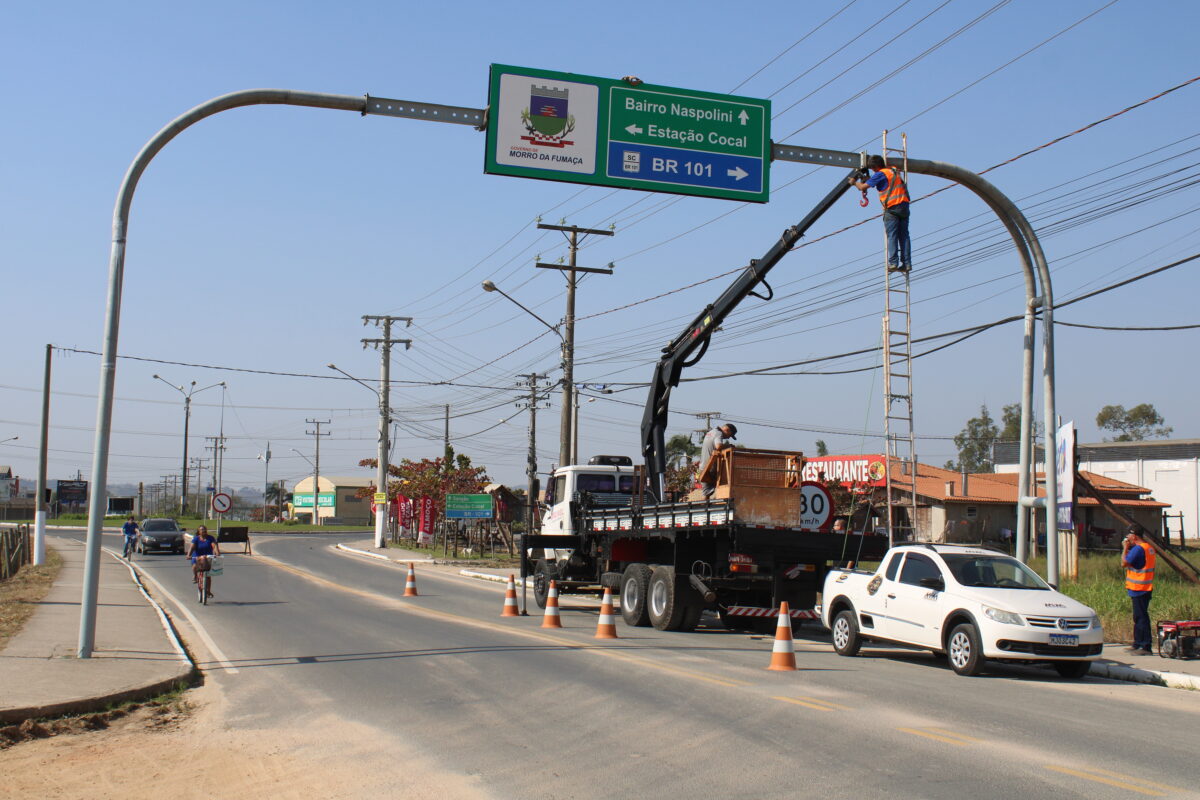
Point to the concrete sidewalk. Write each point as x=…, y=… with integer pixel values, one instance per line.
x=136, y=656
x=1114, y=663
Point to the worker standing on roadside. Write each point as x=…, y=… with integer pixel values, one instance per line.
x=714, y=441
x=893, y=194
x=1139, y=558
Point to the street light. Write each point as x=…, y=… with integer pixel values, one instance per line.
x=565, y=447
x=316, y=494
x=579, y=387
x=187, y=415
x=10, y=439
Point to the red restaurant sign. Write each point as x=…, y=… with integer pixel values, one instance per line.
x=847, y=470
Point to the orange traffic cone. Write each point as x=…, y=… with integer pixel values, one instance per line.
x=606, y=627
x=410, y=585
x=783, y=654
x=551, y=620
x=510, y=599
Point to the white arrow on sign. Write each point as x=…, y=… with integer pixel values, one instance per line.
x=743, y=116
x=737, y=173
x=635, y=129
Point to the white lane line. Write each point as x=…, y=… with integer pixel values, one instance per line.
x=217, y=653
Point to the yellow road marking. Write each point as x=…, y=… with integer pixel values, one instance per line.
x=1109, y=781
x=492, y=627
x=1134, y=778
x=812, y=702
x=941, y=735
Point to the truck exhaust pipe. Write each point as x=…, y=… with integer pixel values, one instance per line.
x=708, y=594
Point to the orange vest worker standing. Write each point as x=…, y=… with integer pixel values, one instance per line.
x=893, y=194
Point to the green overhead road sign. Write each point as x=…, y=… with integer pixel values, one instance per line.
x=468, y=506
x=566, y=127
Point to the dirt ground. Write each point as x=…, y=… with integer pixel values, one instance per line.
x=186, y=750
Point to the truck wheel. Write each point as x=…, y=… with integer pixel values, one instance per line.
x=846, y=640
x=691, y=617
x=964, y=651
x=541, y=582
x=635, y=584
x=1072, y=670
x=664, y=600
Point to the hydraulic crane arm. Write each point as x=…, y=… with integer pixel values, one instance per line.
x=690, y=346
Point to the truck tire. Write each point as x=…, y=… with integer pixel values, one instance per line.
x=963, y=650
x=635, y=584
x=664, y=601
x=846, y=640
x=543, y=573
x=691, y=617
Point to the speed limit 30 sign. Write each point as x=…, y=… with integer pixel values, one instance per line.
x=221, y=502
x=816, y=507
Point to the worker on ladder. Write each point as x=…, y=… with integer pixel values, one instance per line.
x=893, y=194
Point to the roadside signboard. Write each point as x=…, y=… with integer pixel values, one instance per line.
x=869, y=470
x=73, y=493
x=468, y=506
x=816, y=507
x=1064, y=469
x=221, y=502
x=566, y=127
x=305, y=500
x=380, y=498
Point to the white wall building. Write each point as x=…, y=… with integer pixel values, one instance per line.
x=1169, y=468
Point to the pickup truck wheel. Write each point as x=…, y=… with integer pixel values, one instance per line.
x=964, y=651
x=846, y=640
x=635, y=584
x=664, y=601
x=1072, y=670
x=541, y=583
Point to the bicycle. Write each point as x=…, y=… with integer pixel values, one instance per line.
x=130, y=548
x=203, y=579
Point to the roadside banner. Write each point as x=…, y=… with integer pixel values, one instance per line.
x=869, y=470
x=425, y=532
x=1064, y=469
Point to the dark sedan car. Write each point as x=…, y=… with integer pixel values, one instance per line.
x=160, y=534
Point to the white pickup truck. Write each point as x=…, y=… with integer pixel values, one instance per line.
x=968, y=603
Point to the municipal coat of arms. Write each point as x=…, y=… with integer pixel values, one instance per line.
x=546, y=119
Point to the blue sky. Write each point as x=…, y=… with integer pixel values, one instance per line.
x=260, y=237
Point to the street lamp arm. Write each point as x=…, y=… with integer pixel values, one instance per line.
x=335, y=368
x=173, y=386
x=206, y=388
x=306, y=458
x=488, y=286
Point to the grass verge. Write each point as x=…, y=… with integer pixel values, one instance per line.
x=20, y=594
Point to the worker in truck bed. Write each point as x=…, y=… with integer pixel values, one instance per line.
x=717, y=439
x=893, y=194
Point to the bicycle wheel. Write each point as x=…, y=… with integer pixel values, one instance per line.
x=200, y=588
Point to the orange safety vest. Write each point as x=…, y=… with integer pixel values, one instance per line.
x=896, y=192
x=1142, y=580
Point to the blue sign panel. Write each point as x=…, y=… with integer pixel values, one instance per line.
x=684, y=167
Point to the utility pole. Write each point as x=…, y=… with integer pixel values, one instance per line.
x=708, y=417
x=216, y=446
x=531, y=493
x=39, y=524
x=446, y=434
x=568, y=356
x=384, y=345
x=266, y=459
x=317, y=423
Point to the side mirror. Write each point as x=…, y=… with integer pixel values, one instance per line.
x=937, y=584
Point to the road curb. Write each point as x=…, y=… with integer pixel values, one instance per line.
x=356, y=551
x=487, y=576
x=1173, y=680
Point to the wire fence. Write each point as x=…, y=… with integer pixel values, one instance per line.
x=16, y=550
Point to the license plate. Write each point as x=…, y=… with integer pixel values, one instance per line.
x=1064, y=639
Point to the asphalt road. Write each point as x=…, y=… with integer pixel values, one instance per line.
x=301, y=630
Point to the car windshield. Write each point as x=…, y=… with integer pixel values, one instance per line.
x=159, y=526
x=606, y=483
x=992, y=572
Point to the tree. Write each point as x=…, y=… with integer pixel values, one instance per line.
x=822, y=450
x=434, y=478
x=1010, y=424
x=974, y=444
x=1133, y=425
x=681, y=450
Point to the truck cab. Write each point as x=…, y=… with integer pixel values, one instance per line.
x=604, y=482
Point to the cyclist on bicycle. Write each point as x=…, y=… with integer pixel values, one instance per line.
x=203, y=548
x=131, y=531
